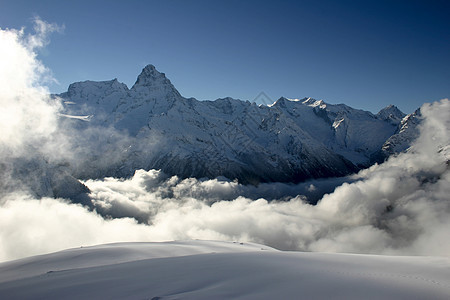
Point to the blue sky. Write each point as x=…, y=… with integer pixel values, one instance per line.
x=366, y=54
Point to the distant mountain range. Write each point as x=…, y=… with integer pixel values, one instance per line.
x=109, y=130
x=290, y=140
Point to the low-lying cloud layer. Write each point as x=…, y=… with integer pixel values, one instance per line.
x=399, y=207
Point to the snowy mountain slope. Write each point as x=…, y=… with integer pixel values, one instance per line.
x=39, y=178
x=109, y=254
x=352, y=133
x=220, y=270
x=291, y=140
x=91, y=98
x=403, y=137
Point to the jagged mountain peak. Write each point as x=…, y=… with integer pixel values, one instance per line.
x=280, y=102
x=392, y=114
x=150, y=77
x=149, y=71
x=391, y=109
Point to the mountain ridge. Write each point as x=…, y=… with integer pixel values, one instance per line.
x=290, y=140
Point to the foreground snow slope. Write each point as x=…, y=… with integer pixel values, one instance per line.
x=218, y=270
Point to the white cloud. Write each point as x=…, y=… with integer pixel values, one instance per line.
x=30, y=226
x=27, y=115
x=42, y=31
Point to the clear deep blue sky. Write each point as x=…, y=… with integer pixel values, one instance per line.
x=366, y=54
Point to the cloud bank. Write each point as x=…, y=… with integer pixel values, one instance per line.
x=27, y=115
x=398, y=207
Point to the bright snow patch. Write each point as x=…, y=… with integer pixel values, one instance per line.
x=220, y=270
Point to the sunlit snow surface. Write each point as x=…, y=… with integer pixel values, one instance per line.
x=220, y=270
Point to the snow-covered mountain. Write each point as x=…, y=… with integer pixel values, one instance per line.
x=290, y=140
x=406, y=133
